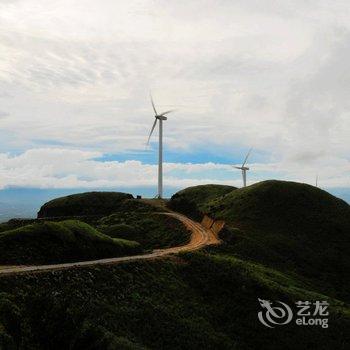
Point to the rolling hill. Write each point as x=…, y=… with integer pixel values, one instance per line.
x=282, y=241
x=121, y=225
x=191, y=201
x=56, y=242
x=290, y=226
x=83, y=204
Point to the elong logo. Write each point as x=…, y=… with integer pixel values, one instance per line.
x=274, y=315
x=282, y=314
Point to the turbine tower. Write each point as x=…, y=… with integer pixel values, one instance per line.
x=244, y=169
x=159, y=117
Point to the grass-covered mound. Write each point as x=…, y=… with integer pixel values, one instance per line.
x=55, y=242
x=84, y=204
x=193, y=201
x=142, y=222
x=15, y=223
x=291, y=226
x=200, y=302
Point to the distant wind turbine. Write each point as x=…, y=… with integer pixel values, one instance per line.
x=159, y=117
x=317, y=180
x=244, y=169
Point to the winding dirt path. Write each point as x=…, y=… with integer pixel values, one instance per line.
x=200, y=238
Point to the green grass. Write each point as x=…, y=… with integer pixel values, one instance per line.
x=204, y=302
x=89, y=203
x=151, y=229
x=192, y=201
x=55, y=242
x=289, y=226
x=132, y=220
x=282, y=241
x=120, y=230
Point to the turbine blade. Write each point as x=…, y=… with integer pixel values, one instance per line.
x=236, y=167
x=166, y=112
x=154, y=107
x=246, y=158
x=150, y=134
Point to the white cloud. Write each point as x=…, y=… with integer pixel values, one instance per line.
x=245, y=73
x=64, y=168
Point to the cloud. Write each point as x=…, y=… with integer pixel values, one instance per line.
x=65, y=168
x=241, y=74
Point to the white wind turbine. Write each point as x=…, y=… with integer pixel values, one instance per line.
x=244, y=169
x=159, y=117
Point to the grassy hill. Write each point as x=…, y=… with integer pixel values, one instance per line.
x=290, y=226
x=55, y=242
x=193, y=201
x=283, y=241
x=133, y=226
x=88, y=203
x=142, y=221
x=151, y=231
x=200, y=301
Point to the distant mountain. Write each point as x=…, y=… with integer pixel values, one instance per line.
x=15, y=210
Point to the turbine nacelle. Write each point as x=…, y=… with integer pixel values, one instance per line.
x=244, y=169
x=160, y=117
x=241, y=167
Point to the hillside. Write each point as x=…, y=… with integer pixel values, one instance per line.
x=290, y=226
x=197, y=301
x=152, y=231
x=88, y=203
x=142, y=221
x=282, y=241
x=192, y=201
x=55, y=242
x=133, y=226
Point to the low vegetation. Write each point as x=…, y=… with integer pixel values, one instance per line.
x=54, y=242
x=139, y=221
x=192, y=201
x=122, y=226
x=282, y=241
x=204, y=302
x=292, y=227
x=83, y=204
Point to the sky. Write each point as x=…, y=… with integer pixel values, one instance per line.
x=75, y=79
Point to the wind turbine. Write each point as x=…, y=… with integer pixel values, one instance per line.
x=244, y=169
x=159, y=117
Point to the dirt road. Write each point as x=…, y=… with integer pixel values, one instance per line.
x=200, y=237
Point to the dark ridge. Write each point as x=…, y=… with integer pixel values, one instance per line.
x=89, y=203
